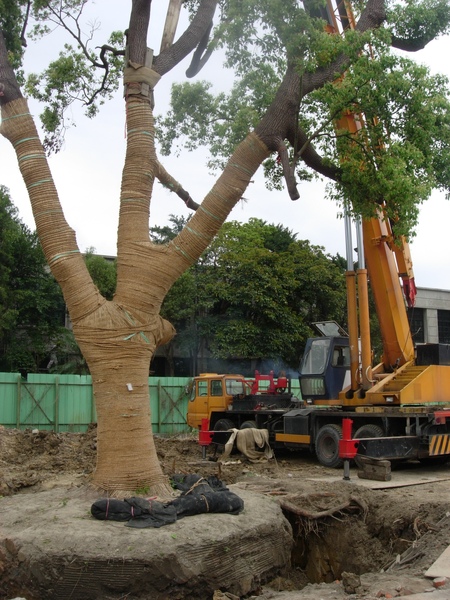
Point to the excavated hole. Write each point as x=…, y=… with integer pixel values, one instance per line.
x=364, y=532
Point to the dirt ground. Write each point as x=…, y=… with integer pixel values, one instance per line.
x=354, y=539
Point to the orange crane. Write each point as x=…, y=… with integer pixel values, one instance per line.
x=400, y=408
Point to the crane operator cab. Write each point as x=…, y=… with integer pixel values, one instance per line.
x=325, y=367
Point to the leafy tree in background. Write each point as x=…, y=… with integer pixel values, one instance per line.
x=252, y=296
x=267, y=288
x=187, y=304
x=66, y=355
x=31, y=302
x=289, y=89
x=103, y=272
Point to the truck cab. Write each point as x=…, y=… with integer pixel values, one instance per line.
x=211, y=392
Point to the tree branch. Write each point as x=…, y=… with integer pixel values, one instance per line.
x=288, y=171
x=199, y=59
x=60, y=20
x=410, y=45
x=25, y=24
x=137, y=31
x=371, y=17
x=189, y=40
x=168, y=181
x=313, y=160
x=9, y=88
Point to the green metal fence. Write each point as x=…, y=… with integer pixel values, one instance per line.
x=65, y=402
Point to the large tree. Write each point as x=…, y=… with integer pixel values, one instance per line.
x=290, y=88
x=251, y=298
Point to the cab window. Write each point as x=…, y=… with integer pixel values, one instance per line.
x=234, y=387
x=202, y=388
x=341, y=356
x=315, y=360
x=216, y=387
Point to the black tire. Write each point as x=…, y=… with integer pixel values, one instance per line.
x=369, y=430
x=224, y=425
x=327, y=446
x=249, y=425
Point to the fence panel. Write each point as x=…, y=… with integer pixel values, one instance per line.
x=76, y=407
x=9, y=385
x=169, y=404
x=65, y=402
x=37, y=403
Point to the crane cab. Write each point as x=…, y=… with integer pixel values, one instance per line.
x=325, y=367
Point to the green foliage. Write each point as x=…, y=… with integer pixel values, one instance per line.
x=402, y=151
x=254, y=294
x=66, y=356
x=163, y=235
x=77, y=75
x=11, y=25
x=267, y=295
x=68, y=79
x=424, y=20
x=31, y=303
x=398, y=157
x=198, y=118
x=103, y=272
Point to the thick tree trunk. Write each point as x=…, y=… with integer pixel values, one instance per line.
x=118, y=338
x=117, y=341
x=126, y=454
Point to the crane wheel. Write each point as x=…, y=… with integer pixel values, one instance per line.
x=224, y=425
x=370, y=430
x=327, y=446
x=248, y=425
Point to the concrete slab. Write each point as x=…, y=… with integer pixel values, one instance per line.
x=441, y=566
x=399, y=479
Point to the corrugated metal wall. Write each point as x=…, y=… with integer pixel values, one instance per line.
x=65, y=402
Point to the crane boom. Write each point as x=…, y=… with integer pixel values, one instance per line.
x=380, y=253
x=387, y=258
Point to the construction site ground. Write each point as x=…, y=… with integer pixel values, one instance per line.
x=357, y=539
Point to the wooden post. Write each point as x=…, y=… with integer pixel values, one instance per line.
x=93, y=414
x=159, y=405
x=170, y=26
x=374, y=468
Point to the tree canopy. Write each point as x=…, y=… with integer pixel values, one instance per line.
x=399, y=152
x=400, y=149
x=253, y=296
x=31, y=304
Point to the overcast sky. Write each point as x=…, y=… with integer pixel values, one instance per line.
x=87, y=171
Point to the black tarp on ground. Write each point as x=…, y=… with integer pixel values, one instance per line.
x=198, y=495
